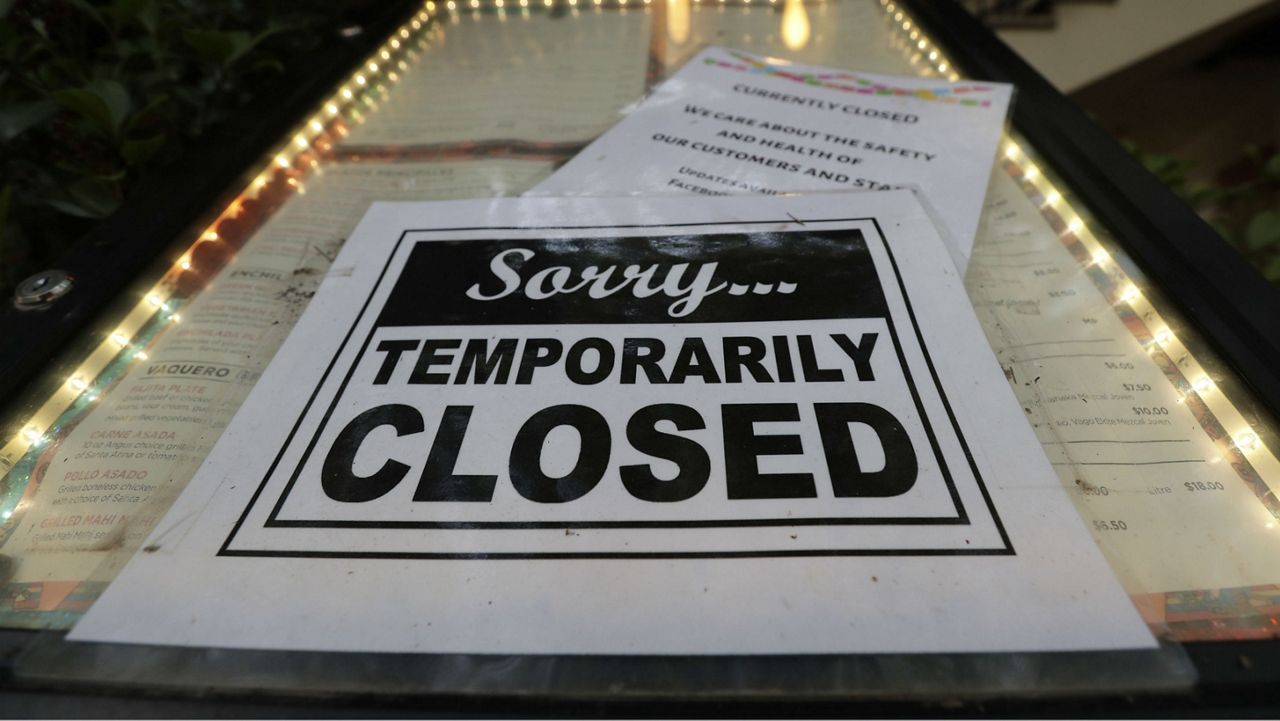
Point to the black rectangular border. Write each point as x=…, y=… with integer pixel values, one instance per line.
x=962, y=518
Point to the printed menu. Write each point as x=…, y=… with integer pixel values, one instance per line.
x=95, y=495
x=730, y=122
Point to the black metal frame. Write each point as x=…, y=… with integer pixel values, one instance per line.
x=1229, y=303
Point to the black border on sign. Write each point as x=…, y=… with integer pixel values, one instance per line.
x=961, y=517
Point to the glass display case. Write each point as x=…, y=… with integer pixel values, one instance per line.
x=1146, y=357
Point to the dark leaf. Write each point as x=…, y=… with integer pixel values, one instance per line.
x=1263, y=230
x=212, y=45
x=1272, y=168
x=137, y=152
x=89, y=10
x=104, y=103
x=18, y=117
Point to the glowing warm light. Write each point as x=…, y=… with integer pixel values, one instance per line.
x=1100, y=257
x=346, y=93
x=31, y=434
x=678, y=21
x=316, y=126
x=1031, y=172
x=282, y=161
x=7, y=514
x=142, y=355
x=1053, y=198
x=395, y=44
x=184, y=264
x=78, y=384
x=1202, y=385
x=1129, y=294
x=1247, y=441
x=1075, y=225
x=1164, y=336
x=942, y=67
x=155, y=300
x=211, y=235
x=795, y=24
x=120, y=338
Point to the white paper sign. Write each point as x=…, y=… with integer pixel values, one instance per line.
x=733, y=425
x=730, y=122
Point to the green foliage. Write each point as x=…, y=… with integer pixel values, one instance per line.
x=97, y=94
x=1244, y=213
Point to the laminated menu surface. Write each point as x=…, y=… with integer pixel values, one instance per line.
x=619, y=426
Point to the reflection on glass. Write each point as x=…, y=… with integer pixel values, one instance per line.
x=795, y=25
x=678, y=21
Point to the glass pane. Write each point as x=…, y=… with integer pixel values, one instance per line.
x=1171, y=462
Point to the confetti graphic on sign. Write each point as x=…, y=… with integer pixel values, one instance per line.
x=841, y=81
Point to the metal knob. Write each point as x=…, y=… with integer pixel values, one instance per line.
x=41, y=289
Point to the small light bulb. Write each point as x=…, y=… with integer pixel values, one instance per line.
x=282, y=161
x=1129, y=294
x=1075, y=225
x=1052, y=198
x=31, y=434
x=155, y=300
x=1164, y=336
x=7, y=515
x=1247, y=441
x=184, y=264
x=120, y=338
x=142, y=355
x=1030, y=173
x=78, y=384
x=1202, y=385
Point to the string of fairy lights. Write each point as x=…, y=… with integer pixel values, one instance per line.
x=361, y=91
x=1191, y=378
